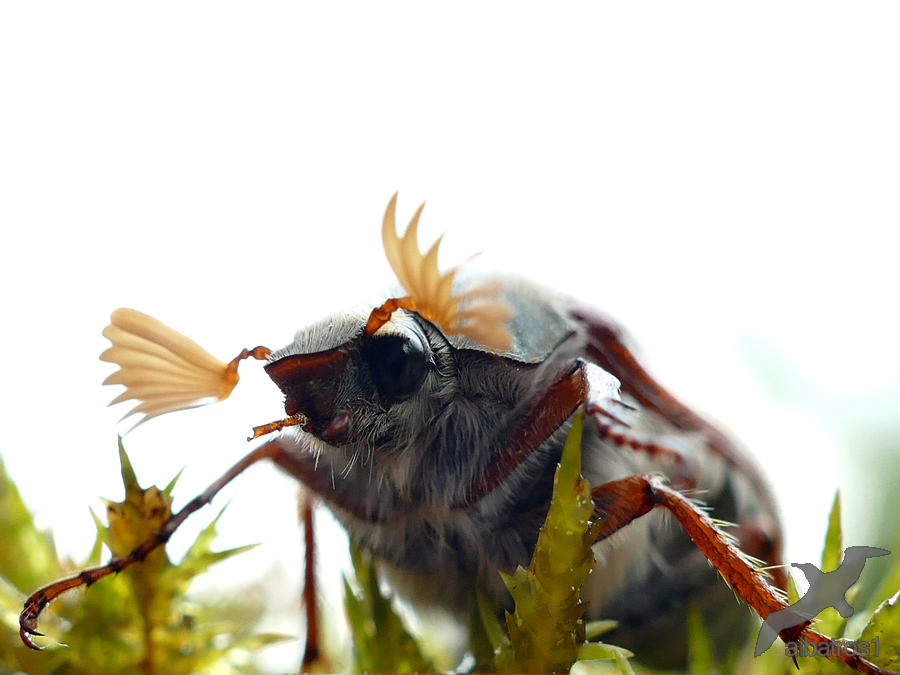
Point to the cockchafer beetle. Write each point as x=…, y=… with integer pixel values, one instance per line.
x=431, y=426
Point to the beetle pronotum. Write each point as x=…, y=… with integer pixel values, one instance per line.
x=441, y=414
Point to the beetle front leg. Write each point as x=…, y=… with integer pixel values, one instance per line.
x=581, y=384
x=620, y=502
x=38, y=601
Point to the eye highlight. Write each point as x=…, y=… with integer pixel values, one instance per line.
x=398, y=364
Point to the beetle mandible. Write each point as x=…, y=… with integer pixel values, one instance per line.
x=431, y=428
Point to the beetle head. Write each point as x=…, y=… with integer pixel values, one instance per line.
x=343, y=378
x=348, y=392
x=422, y=411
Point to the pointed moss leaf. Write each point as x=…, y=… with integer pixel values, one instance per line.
x=885, y=628
x=622, y=657
x=362, y=629
x=203, y=543
x=134, y=622
x=486, y=635
x=380, y=640
x=595, y=651
x=102, y=536
x=356, y=617
x=700, y=650
x=593, y=658
x=491, y=624
x=793, y=595
x=833, y=549
x=95, y=556
x=101, y=528
x=889, y=583
x=167, y=491
x=129, y=479
x=196, y=565
x=137, y=518
x=200, y=556
x=545, y=630
x=830, y=622
x=594, y=629
x=257, y=641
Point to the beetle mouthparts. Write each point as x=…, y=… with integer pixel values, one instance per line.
x=337, y=425
x=265, y=429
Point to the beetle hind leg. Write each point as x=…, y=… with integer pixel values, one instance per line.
x=620, y=502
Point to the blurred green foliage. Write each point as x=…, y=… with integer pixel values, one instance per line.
x=381, y=643
x=879, y=618
x=545, y=633
x=138, y=621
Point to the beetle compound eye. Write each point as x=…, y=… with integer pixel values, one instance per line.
x=398, y=364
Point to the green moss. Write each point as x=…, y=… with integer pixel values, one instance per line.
x=381, y=643
x=138, y=621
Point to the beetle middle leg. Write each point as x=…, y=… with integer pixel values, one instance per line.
x=614, y=428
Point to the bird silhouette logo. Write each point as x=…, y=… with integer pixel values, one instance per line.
x=826, y=589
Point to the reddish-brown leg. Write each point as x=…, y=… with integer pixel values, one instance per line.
x=609, y=346
x=613, y=427
x=582, y=384
x=293, y=460
x=311, y=653
x=618, y=503
x=38, y=600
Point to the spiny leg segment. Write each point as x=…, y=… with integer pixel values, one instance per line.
x=620, y=502
x=38, y=600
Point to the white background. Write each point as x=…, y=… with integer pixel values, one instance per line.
x=705, y=172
